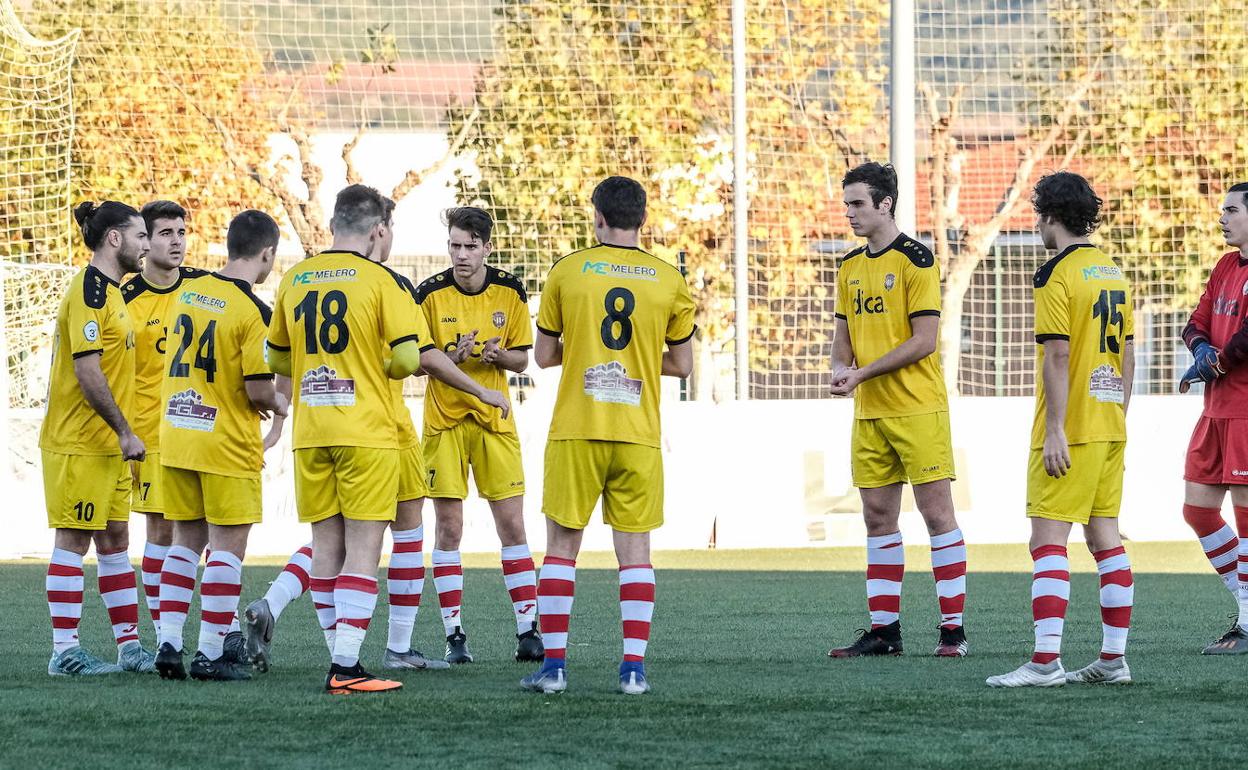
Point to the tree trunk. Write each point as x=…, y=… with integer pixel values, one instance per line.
x=953, y=302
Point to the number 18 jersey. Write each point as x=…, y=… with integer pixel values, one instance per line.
x=615, y=307
x=339, y=314
x=1082, y=296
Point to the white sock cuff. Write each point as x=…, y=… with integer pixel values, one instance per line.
x=408, y=535
x=155, y=551
x=513, y=552
x=947, y=538
x=184, y=553
x=881, y=541
x=358, y=575
x=120, y=559
x=446, y=557
x=66, y=558
x=228, y=559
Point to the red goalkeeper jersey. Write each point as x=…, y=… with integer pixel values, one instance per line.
x=1220, y=319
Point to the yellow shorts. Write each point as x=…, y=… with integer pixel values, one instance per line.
x=1092, y=486
x=628, y=477
x=148, y=495
x=222, y=500
x=85, y=491
x=413, y=483
x=889, y=450
x=361, y=483
x=494, y=457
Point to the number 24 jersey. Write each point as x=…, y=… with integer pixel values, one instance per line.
x=1083, y=297
x=615, y=307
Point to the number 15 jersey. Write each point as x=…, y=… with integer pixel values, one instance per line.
x=339, y=314
x=616, y=308
x=1082, y=296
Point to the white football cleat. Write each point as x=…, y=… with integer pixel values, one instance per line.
x=1031, y=675
x=1102, y=672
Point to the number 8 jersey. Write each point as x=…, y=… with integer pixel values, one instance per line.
x=616, y=307
x=339, y=314
x=1082, y=296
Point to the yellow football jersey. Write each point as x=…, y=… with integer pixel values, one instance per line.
x=92, y=319
x=877, y=295
x=403, y=415
x=1082, y=296
x=217, y=329
x=615, y=307
x=499, y=309
x=339, y=315
x=148, y=305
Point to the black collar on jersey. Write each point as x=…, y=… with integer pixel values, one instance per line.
x=93, y=272
x=886, y=249
x=1069, y=249
x=626, y=248
x=1046, y=270
x=343, y=251
x=450, y=273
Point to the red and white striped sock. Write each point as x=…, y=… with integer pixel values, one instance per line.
x=556, y=588
x=218, y=597
x=636, y=608
x=1241, y=526
x=1117, y=596
x=1219, y=542
x=886, y=562
x=120, y=592
x=291, y=582
x=153, y=562
x=1050, y=593
x=64, y=587
x=405, y=582
x=949, y=568
x=448, y=578
x=520, y=576
x=355, y=598
x=234, y=626
x=177, y=586
x=322, y=589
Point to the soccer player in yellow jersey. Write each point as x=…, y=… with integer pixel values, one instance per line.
x=343, y=324
x=884, y=353
x=217, y=385
x=480, y=316
x=86, y=442
x=148, y=296
x=1085, y=365
x=606, y=313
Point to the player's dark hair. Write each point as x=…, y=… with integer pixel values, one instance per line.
x=357, y=209
x=96, y=221
x=621, y=201
x=1068, y=198
x=470, y=219
x=160, y=210
x=880, y=179
x=387, y=205
x=250, y=233
x=1240, y=187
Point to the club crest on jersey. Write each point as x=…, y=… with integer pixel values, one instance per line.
x=499, y=319
x=188, y=411
x=611, y=384
x=889, y=281
x=323, y=387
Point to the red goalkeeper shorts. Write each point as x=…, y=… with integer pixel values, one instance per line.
x=1218, y=452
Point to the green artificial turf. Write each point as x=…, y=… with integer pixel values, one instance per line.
x=737, y=661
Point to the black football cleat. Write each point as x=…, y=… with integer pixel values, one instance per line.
x=529, y=646
x=457, y=647
x=885, y=640
x=169, y=662
x=220, y=670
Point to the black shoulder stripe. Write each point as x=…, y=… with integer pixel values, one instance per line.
x=266, y=312
x=403, y=283
x=1042, y=276
x=918, y=254
x=853, y=254
x=133, y=288
x=510, y=281
x=191, y=272
x=95, y=288
x=433, y=283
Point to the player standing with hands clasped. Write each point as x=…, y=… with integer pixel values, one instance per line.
x=1085, y=364
x=884, y=353
x=1217, y=456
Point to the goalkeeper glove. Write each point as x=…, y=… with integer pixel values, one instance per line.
x=1208, y=368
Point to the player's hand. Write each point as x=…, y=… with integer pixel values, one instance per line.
x=283, y=404
x=274, y=434
x=1189, y=377
x=844, y=380
x=1208, y=366
x=131, y=446
x=464, y=347
x=1056, y=454
x=496, y=398
x=491, y=351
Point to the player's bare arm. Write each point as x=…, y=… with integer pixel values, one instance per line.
x=1056, y=392
x=439, y=366
x=547, y=350
x=283, y=386
x=264, y=397
x=842, y=351
x=678, y=360
x=95, y=389
x=1128, y=373
x=494, y=354
x=920, y=345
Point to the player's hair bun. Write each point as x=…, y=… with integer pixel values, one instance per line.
x=83, y=212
